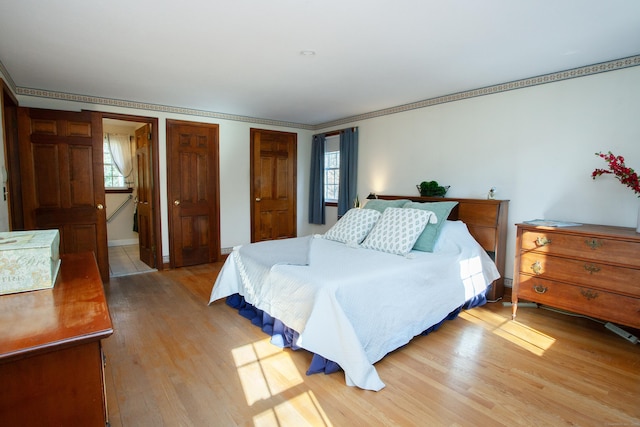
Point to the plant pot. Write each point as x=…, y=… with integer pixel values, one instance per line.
x=439, y=192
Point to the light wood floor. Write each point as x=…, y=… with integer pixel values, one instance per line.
x=175, y=361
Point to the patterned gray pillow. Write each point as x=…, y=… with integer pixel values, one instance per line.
x=354, y=226
x=398, y=229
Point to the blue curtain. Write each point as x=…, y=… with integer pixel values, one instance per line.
x=316, y=186
x=348, y=185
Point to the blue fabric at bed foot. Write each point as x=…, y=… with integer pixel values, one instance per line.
x=283, y=336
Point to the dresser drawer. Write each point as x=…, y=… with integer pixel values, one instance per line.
x=588, y=301
x=584, y=246
x=620, y=280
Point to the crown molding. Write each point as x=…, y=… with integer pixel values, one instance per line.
x=588, y=70
x=7, y=77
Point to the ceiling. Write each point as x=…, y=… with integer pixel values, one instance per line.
x=243, y=57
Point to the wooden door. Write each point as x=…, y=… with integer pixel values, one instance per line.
x=193, y=192
x=273, y=185
x=144, y=195
x=63, y=179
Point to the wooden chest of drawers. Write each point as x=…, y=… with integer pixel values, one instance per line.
x=589, y=269
x=51, y=362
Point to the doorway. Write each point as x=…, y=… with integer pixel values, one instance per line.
x=133, y=223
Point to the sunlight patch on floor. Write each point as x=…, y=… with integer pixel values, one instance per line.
x=302, y=410
x=522, y=335
x=265, y=371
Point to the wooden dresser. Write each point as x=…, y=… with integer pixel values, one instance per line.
x=51, y=363
x=588, y=269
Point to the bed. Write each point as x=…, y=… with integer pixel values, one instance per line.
x=350, y=300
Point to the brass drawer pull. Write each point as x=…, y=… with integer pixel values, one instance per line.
x=536, y=267
x=542, y=241
x=593, y=243
x=540, y=289
x=591, y=268
x=588, y=294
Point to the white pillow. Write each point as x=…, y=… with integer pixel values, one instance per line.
x=398, y=229
x=354, y=226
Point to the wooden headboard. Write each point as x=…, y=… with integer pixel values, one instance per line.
x=487, y=223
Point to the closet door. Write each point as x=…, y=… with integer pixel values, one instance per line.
x=194, y=192
x=62, y=175
x=273, y=185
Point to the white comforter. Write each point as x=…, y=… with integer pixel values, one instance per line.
x=353, y=305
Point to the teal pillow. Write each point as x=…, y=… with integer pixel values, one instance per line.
x=429, y=236
x=380, y=205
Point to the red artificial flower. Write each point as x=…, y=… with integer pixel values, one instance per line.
x=624, y=174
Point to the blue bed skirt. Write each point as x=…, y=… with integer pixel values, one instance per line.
x=283, y=336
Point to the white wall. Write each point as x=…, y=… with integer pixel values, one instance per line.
x=234, y=137
x=535, y=145
x=120, y=228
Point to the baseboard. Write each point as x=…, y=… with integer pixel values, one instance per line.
x=123, y=242
x=524, y=304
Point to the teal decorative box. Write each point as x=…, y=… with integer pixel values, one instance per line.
x=29, y=260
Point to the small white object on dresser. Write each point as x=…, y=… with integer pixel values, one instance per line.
x=29, y=260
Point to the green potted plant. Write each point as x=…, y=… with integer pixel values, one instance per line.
x=432, y=189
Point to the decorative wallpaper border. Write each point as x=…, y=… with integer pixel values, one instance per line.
x=153, y=107
x=617, y=64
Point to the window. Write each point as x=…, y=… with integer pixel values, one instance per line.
x=331, y=169
x=112, y=176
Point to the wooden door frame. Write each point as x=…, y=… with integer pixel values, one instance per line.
x=155, y=173
x=11, y=158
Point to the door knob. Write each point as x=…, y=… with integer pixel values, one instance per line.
x=258, y=199
x=100, y=206
x=176, y=202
